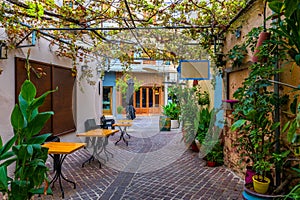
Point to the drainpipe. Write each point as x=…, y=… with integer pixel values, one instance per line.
x=276, y=114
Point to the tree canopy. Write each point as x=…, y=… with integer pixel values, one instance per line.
x=154, y=29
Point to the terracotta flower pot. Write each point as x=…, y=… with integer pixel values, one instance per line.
x=194, y=147
x=211, y=163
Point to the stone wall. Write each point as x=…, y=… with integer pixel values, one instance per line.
x=234, y=78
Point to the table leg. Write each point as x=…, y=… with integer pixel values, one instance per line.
x=95, y=145
x=125, y=130
x=103, y=148
x=58, y=173
x=122, y=136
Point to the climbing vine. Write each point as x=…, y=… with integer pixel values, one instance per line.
x=206, y=21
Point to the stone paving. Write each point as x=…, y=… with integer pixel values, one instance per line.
x=155, y=165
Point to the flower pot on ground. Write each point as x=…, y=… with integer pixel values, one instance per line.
x=260, y=184
x=211, y=163
x=215, y=153
x=198, y=143
x=250, y=194
x=120, y=110
x=164, y=123
x=174, y=123
x=194, y=147
x=172, y=110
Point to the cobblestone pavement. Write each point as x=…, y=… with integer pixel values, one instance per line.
x=155, y=165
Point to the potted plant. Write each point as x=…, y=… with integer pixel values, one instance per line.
x=204, y=123
x=254, y=121
x=214, y=156
x=189, y=114
x=253, y=115
x=119, y=111
x=26, y=154
x=172, y=110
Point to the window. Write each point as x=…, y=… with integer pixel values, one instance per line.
x=60, y=101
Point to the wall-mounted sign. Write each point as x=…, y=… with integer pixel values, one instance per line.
x=194, y=70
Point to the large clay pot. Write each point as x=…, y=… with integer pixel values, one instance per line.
x=260, y=187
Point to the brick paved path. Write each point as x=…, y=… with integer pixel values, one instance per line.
x=155, y=165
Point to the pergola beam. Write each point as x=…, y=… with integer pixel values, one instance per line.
x=124, y=28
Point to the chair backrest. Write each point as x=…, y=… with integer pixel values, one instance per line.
x=105, y=123
x=90, y=124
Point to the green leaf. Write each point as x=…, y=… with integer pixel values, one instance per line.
x=286, y=125
x=6, y=155
x=276, y=6
x=41, y=191
x=296, y=169
x=7, y=145
x=293, y=106
x=238, y=124
x=291, y=131
x=28, y=90
x=17, y=118
x=297, y=59
x=8, y=162
x=3, y=179
x=39, y=101
x=23, y=106
x=37, y=123
x=30, y=150
x=290, y=7
x=38, y=139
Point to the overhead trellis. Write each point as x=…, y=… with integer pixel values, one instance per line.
x=81, y=27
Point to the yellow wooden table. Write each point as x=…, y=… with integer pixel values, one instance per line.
x=122, y=125
x=98, y=140
x=62, y=149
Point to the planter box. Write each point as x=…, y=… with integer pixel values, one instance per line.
x=164, y=123
x=174, y=124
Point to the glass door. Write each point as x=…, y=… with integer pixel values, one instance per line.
x=107, y=100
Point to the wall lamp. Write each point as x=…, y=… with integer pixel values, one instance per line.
x=84, y=68
x=3, y=50
x=238, y=32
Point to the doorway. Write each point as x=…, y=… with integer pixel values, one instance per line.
x=148, y=100
x=107, y=100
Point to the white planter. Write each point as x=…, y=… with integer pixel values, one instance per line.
x=119, y=116
x=174, y=124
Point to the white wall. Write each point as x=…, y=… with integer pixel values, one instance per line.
x=86, y=104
